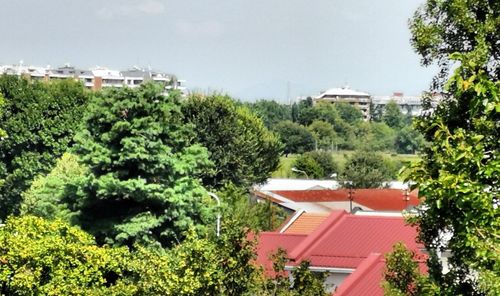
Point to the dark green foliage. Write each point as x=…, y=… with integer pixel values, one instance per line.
x=257, y=216
x=308, y=167
x=306, y=282
x=441, y=28
x=317, y=164
x=297, y=138
x=393, y=116
x=143, y=184
x=324, y=134
x=271, y=112
x=41, y=120
x=402, y=276
x=303, y=282
x=243, y=151
x=349, y=113
x=409, y=140
x=365, y=170
x=381, y=138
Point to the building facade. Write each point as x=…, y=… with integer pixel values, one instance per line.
x=344, y=94
x=98, y=77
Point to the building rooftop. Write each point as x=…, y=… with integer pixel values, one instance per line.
x=366, y=279
x=344, y=240
x=304, y=223
x=342, y=92
x=374, y=199
x=270, y=242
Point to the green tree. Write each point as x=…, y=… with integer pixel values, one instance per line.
x=254, y=215
x=442, y=28
x=243, y=151
x=303, y=281
x=3, y=134
x=143, y=182
x=323, y=133
x=402, y=276
x=349, y=113
x=393, y=116
x=409, y=140
x=317, y=164
x=365, y=169
x=382, y=137
x=46, y=196
x=458, y=174
x=297, y=138
x=41, y=120
x=38, y=257
x=271, y=112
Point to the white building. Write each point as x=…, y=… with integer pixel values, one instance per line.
x=407, y=104
x=96, y=78
x=347, y=95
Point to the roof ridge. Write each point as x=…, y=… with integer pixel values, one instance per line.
x=280, y=234
x=314, y=238
x=364, y=267
x=340, y=256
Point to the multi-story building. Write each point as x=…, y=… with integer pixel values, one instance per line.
x=96, y=78
x=344, y=94
x=408, y=104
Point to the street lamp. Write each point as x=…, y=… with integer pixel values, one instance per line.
x=214, y=196
x=294, y=169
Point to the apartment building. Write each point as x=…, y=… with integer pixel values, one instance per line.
x=347, y=95
x=98, y=77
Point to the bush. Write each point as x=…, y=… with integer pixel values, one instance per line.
x=317, y=164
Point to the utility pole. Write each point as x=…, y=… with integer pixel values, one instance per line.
x=288, y=93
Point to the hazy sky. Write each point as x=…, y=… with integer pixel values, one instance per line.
x=249, y=49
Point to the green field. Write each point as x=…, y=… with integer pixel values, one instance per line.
x=286, y=163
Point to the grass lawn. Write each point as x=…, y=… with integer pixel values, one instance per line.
x=286, y=163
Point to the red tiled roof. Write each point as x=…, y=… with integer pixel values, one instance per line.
x=375, y=199
x=366, y=279
x=345, y=240
x=269, y=242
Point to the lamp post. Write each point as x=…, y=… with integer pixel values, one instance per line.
x=214, y=196
x=294, y=169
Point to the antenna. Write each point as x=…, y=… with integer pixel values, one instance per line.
x=288, y=93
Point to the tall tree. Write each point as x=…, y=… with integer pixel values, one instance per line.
x=408, y=140
x=242, y=149
x=349, y=113
x=41, y=120
x=271, y=112
x=317, y=164
x=144, y=168
x=47, y=193
x=297, y=138
x=323, y=133
x=458, y=174
x=393, y=116
x=365, y=169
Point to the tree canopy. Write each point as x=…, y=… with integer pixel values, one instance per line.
x=365, y=170
x=41, y=120
x=243, y=151
x=297, y=138
x=458, y=174
x=143, y=183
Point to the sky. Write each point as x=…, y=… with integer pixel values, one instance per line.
x=273, y=49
